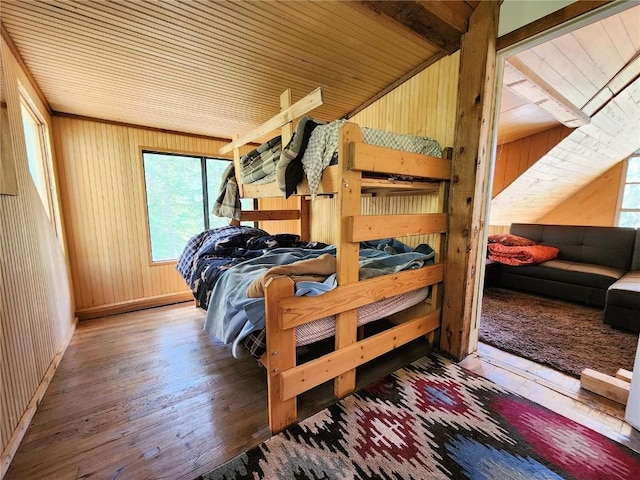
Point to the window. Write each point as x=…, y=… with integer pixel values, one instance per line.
x=629, y=213
x=35, y=135
x=181, y=191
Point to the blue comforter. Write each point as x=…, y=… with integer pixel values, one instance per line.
x=232, y=315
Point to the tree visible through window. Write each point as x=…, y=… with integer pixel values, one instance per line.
x=630, y=207
x=181, y=190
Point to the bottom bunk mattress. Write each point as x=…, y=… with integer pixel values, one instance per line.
x=324, y=328
x=233, y=313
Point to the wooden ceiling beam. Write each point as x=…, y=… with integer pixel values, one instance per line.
x=527, y=83
x=456, y=14
x=425, y=20
x=625, y=76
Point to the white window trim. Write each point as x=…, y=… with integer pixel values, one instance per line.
x=623, y=182
x=52, y=206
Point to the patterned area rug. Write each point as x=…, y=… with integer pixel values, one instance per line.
x=434, y=420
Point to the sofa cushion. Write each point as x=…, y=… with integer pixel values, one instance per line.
x=607, y=246
x=585, y=268
x=587, y=275
x=635, y=260
x=626, y=292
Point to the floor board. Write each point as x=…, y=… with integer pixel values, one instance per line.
x=554, y=390
x=150, y=395
x=144, y=395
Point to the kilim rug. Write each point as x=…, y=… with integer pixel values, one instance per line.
x=434, y=420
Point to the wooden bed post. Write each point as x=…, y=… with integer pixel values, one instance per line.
x=278, y=359
x=471, y=167
x=286, y=131
x=436, y=289
x=305, y=225
x=349, y=183
x=237, y=166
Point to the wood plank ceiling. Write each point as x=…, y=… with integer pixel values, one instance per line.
x=218, y=68
x=578, y=66
x=596, y=70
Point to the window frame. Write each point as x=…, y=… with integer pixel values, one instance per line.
x=206, y=207
x=623, y=184
x=46, y=191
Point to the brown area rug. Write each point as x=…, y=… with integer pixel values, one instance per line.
x=566, y=336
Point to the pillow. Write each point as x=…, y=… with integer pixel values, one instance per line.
x=511, y=240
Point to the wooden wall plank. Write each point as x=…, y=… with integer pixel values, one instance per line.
x=36, y=304
x=424, y=105
x=595, y=204
x=104, y=202
x=514, y=158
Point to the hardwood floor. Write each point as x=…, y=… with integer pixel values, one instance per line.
x=555, y=390
x=149, y=395
x=144, y=395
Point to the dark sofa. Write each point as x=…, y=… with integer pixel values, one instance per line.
x=622, y=306
x=597, y=266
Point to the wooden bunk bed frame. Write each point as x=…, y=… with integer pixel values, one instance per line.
x=284, y=311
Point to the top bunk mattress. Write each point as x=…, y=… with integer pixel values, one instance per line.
x=313, y=147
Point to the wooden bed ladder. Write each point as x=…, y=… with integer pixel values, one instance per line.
x=284, y=122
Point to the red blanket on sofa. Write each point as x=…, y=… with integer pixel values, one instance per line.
x=521, y=255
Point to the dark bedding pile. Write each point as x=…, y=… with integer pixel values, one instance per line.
x=210, y=253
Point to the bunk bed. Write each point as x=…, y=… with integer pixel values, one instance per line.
x=347, y=182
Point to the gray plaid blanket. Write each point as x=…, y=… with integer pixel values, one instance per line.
x=261, y=162
x=314, y=144
x=289, y=171
x=323, y=144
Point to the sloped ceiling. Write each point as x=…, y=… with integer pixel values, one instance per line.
x=217, y=67
x=596, y=69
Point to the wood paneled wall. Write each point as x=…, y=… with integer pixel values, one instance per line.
x=595, y=204
x=102, y=185
x=424, y=105
x=102, y=181
x=36, y=307
x=514, y=158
